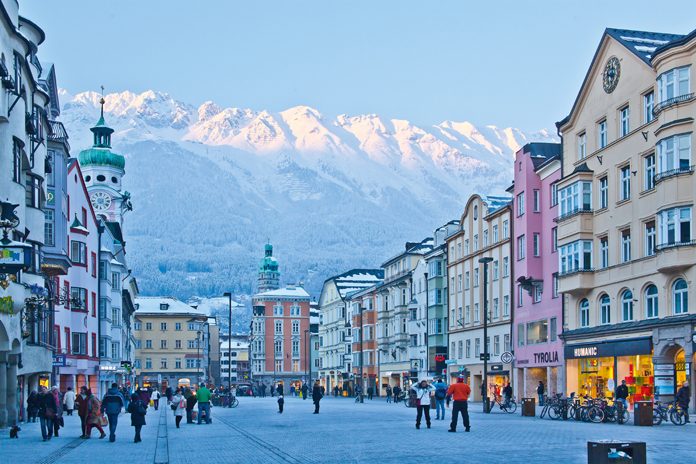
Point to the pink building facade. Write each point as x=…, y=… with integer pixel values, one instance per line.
x=538, y=312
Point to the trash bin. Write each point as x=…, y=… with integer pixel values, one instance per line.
x=529, y=407
x=643, y=413
x=613, y=452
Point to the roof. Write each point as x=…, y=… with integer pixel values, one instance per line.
x=582, y=168
x=57, y=133
x=102, y=156
x=541, y=152
x=287, y=292
x=675, y=43
x=151, y=305
x=496, y=202
x=413, y=248
x=115, y=229
x=356, y=279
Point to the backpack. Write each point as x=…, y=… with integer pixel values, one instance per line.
x=440, y=393
x=140, y=408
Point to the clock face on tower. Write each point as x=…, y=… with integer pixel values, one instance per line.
x=100, y=201
x=612, y=72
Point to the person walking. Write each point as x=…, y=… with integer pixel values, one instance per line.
x=440, y=396
x=112, y=403
x=94, y=416
x=263, y=390
x=507, y=394
x=58, y=420
x=683, y=398
x=460, y=392
x=137, y=409
x=191, y=401
x=621, y=394
x=82, y=406
x=279, y=389
x=179, y=406
x=317, y=395
x=203, y=396
x=46, y=412
x=370, y=392
x=397, y=392
x=305, y=391
x=32, y=406
x=540, y=393
x=155, y=398
x=69, y=400
x=281, y=403
x=422, y=391
x=388, y=390
x=169, y=393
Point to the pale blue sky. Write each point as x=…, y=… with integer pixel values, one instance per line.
x=509, y=63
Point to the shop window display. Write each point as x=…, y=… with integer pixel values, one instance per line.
x=637, y=371
x=596, y=377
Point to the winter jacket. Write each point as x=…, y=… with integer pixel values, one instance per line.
x=58, y=399
x=423, y=394
x=459, y=391
x=69, y=399
x=137, y=409
x=113, y=402
x=317, y=394
x=155, y=396
x=191, y=402
x=33, y=403
x=203, y=395
x=93, y=410
x=180, y=403
x=82, y=405
x=507, y=391
x=683, y=397
x=621, y=392
x=440, y=390
x=540, y=389
x=47, y=405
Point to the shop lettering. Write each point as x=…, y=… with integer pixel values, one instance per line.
x=585, y=352
x=546, y=357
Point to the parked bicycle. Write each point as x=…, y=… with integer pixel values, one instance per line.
x=509, y=406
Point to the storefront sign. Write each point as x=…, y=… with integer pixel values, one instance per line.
x=6, y=305
x=547, y=357
x=50, y=197
x=59, y=360
x=628, y=347
x=496, y=367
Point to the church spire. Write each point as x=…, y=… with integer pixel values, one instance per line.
x=102, y=132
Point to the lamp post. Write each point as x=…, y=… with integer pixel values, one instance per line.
x=485, y=262
x=198, y=357
x=362, y=383
x=229, y=348
x=308, y=376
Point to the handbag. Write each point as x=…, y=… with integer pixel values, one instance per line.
x=182, y=404
x=173, y=406
x=103, y=421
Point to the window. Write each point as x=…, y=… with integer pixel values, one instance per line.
x=651, y=305
x=521, y=247
x=102, y=270
x=605, y=310
x=520, y=296
x=602, y=134
x=177, y=344
x=148, y=326
x=554, y=281
x=496, y=309
x=295, y=327
x=466, y=247
x=116, y=316
x=295, y=347
x=624, y=118
x=177, y=326
x=537, y=201
x=137, y=364
x=475, y=242
x=49, y=228
x=650, y=238
x=116, y=280
x=16, y=161
x=177, y=363
x=33, y=192
x=576, y=197
x=467, y=314
x=496, y=270
x=603, y=192
x=466, y=281
x=496, y=345
x=675, y=226
x=79, y=343
x=163, y=344
x=537, y=332
x=278, y=347
x=553, y=329
x=506, y=266
x=536, y=294
x=468, y=348
x=79, y=298
x=148, y=363
x=506, y=305
x=278, y=327
x=627, y=305
x=475, y=212
x=476, y=277
x=477, y=313
x=536, y=244
x=680, y=291
x=625, y=245
x=460, y=349
x=604, y=252
x=649, y=171
x=148, y=344
x=163, y=326
x=626, y=182
x=648, y=107
x=506, y=342
x=278, y=310
x=191, y=344
x=582, y=145
x=78, y=253
x=137, y=325
x=102, y=348
x=520, y=334
x=584, y=313
x=576, y=256
x=554, y=194
x=295, y=310
x=495, y=233
x=673, y=83
x=554, y=239
x=485, y=238
x=506, y=229
x=520, y=204
x=190, y=363
x=477, y=347
x=674, y=154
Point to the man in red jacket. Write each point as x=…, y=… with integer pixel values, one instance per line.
x=81, y=404
x=459, y=392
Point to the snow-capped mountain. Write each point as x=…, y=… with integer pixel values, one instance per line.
x=210, y=185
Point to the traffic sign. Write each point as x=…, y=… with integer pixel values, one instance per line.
x=451, y=361
x=485, y=356
x=507, y=357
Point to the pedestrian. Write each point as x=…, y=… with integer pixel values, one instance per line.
x=94, y=415
x=203, y=396
x=144, y=395
x=305, y=391
x=370, y=392
x=507, y=394
x=388, y=390
x=397, y=392
x=137, y=409
x=263, y=390
x=459, y=392
x=335, y=390
x=423, y=391
x=540, y=392
x=621, y=394
x=440, y=396
x=112, y=403
x=279, y=389
x=170, y=394
x=281, y=402
x=46, y=412
x=32, y=406
x=155, y=398
x=317, y=395
x=58, y=420
x=179, y=406
x=69, y=400
x=683, y=398
x=191, y=401
x=292, y=390
x=82, y=406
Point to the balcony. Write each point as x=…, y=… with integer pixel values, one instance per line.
x=577, y=281
x=675, y=185
x=575, y=222
x=672, y=257
x=663, y=105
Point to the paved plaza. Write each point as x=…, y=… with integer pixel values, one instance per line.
x=344, y=432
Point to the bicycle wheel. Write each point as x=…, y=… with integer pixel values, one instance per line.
x=235, y=402
x=677, y=417
x=657, y=417
x=511, y=407
x=572, y=411
x=554, y=413
x=623, y=416
x=595, y=414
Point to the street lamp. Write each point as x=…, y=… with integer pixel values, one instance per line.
x=362, y=383
x=229, y=348
x=308, y=372
x=198, y=356
x=485, y=262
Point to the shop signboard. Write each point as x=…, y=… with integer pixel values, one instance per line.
x=628, y=347
x=664, y=379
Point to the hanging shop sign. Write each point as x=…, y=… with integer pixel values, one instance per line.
x=628, y=347
x=14, y=256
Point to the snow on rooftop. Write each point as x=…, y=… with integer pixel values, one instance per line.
x=644, y=40
x=152, y=304
x=645, y=48
x=289, y=292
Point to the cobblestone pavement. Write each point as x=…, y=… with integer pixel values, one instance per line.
x=344, y=432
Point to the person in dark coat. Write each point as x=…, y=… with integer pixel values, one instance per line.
x=82, y=407
x=540, y=392
x=621, y=394
x=137, y=409
x=47, y=413
x=281, y=402
x=112, y=403
x=279, y=389
x=32, y=406
x=683, y=398
x=305, y=391
x=317, y=395
x=191, y=401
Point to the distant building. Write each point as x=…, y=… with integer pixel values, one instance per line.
x=269, y=276
x=234, y=355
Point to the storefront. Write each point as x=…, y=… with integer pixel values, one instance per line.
x=595, y=369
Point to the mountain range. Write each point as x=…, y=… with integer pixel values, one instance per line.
x=212, y=185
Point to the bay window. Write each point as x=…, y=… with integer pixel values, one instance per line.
x=674, y=153
x=673, y=84
x=576, y=256
x=675, y=225
x=575, y=197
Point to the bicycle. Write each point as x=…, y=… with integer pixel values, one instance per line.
x=614, y=413
x=235, y=402
x=678, y=415
x=509, y=406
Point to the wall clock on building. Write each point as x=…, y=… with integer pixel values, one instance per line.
x=100, y=201
x=612, y=72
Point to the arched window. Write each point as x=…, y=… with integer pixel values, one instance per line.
x=680, y=290
x=651, y=307
x=605, y=309
x=584, y=313
x=475, y=212
x=627, y=305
